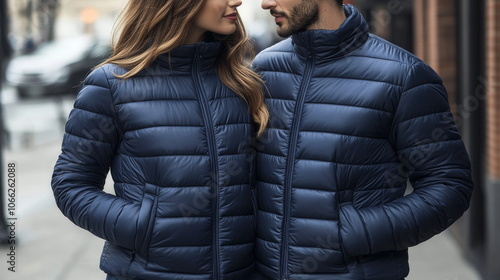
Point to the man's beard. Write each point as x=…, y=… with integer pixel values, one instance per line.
x=302, y=16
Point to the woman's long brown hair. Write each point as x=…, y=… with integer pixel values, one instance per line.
x=149, y=28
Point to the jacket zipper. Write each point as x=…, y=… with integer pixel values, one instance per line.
x=299, y=106
x=213, y=162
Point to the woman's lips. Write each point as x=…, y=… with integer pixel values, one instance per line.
x=232, y=16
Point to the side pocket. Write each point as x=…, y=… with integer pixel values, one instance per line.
x=104, y=253
x=353, y=234
x=146, y=218
x=347, y=258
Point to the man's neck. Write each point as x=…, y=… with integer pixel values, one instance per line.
x=330, y=16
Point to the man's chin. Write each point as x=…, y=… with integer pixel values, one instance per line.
x=283, y=32
x=283, y=35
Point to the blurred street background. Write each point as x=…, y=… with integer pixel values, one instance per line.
x=48, y=46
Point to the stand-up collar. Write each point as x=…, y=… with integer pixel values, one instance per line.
x=183, y=57
x=330, y=44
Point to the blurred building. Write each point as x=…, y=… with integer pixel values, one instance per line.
x=460, y=39
x=36, y=21
x=89, y=17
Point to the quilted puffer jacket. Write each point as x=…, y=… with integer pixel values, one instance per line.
x=176, y=140
x=353, y=117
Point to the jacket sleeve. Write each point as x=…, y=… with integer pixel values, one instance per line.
x=91, y=136
x=433, y=157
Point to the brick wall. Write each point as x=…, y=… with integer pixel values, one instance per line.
x=435, y=39
x=493, y=86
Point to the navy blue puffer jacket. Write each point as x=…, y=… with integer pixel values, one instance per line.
x=353, y=117
x=176, y=141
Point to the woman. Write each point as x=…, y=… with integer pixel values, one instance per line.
x=168, y=114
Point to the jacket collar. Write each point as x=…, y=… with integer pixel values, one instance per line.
x=331, y=44
x=183, y=57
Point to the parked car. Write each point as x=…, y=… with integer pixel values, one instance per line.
x=57, y=67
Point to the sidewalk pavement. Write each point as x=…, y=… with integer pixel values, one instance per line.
x=50, y=247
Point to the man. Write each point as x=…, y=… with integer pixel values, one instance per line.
x=353, y=117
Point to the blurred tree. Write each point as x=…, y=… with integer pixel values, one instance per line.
x=38, y=18
x=5, y=48
x=47, y=12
